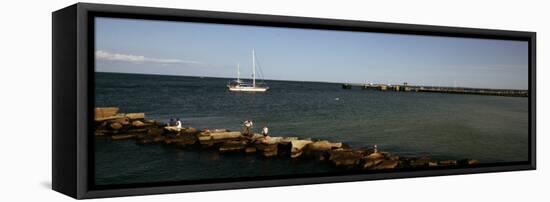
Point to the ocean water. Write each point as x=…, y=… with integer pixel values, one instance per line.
x=490, y=129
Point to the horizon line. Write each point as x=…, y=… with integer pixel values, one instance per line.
x=310, y=81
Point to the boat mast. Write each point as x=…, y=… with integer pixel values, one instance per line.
x=238, y=72
x=253, y=70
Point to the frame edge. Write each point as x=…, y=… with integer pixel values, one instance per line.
x=82, y=115
x=64, y=108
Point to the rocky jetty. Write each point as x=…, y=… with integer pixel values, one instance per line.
x=109, y=123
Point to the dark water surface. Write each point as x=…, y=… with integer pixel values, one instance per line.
x=488, y=128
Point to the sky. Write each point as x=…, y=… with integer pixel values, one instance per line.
x=214, y=50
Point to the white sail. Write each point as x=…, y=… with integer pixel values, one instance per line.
x=247, y=87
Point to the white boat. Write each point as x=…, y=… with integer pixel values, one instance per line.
x=240, y=86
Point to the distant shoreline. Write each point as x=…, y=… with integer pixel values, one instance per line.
x=299, y=81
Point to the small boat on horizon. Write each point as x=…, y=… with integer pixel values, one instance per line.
x=241, y=86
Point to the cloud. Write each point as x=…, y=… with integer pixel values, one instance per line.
x=105, y=55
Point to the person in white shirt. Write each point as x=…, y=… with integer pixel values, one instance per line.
x=247, y=127
x=265, y=131
x=179, y=124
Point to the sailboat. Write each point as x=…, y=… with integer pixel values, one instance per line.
x=238, y=85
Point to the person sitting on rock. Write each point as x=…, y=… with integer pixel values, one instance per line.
x=243, y=127
x=247, y=127
x=178, y=124
x=265, y=132
x=172, y=122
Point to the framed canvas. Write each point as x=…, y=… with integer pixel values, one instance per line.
x=156, y=100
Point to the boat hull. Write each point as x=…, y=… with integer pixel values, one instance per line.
x=247, y=89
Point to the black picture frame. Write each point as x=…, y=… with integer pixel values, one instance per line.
x=73, y=95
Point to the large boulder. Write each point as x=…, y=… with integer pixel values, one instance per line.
x=270, y=150
x=137, y=130
x=421, y=162
x=99, y=133
x=473, y=162
x=269, y=140
x=103, y=112
x=448, y=163
x=272, y=146
x=138, y=124
x=370, y=163
x=323, y=146
x=208, y=138
x=124, y=121
x=116, y=126
x=159, y=138
x=372, y=160
x=147, y=139
x=155, y=131
x=287, y=140
x=136, y=116
x=386, y=164
x=172, y=129
x=189, y=131
x=298, y=147
x=205, y=138
x=233, y=146
x=250, y=150
x=123, y=136
x=347, y=158
x=225, y=135
x=183, y=140
x=375, y=156
x=109, y=118
x=285, y=146
x=268, y=146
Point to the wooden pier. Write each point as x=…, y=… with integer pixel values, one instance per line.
x=439, y=89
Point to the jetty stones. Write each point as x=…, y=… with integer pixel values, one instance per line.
x=250, y=150
x=273, y=146
x=155, y=131
x=268, y=146
x=176, y=130
x=136, y=116
x=210, y=138
x=225, y=135
x=423, y=162
x=111, y=113
x=373, y=160
x=182, y=140
x=123, y=137
x=379, y=160
x=267, y=149
x=103, y=112
x=473, y=162
x=233, y=146
x=323, y=146
x=448, y=163
x=347, y=158
x=138, y=124
x=298, y=147
x=116, y=126
x=319, y=149
x=386, y=164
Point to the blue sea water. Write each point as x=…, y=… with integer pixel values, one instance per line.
x=487, y=128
